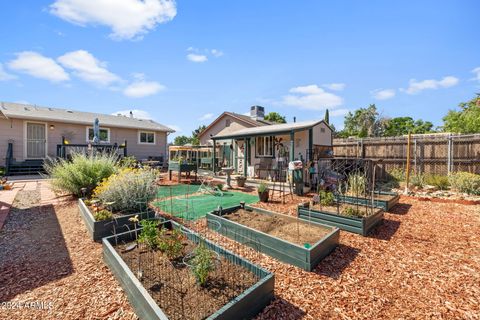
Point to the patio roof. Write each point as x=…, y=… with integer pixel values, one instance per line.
x=274, y=129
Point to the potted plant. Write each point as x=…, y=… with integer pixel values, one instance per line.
x=263, y=192
x=241, y=181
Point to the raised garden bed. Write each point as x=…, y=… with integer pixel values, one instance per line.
x=105, y=228
x=248, y=289
x=327, y=215
x=381, y=199
x=285, y=238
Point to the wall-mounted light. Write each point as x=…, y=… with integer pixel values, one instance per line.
x=52, y=127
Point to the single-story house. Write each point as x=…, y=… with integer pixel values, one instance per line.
x=258, y=150
x=34, y=132
x=227, y=123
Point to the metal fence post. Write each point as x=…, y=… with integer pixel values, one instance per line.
x=449, y=153
x=415, y=155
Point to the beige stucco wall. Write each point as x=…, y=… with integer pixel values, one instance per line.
x=220, y=127
x=76, y=134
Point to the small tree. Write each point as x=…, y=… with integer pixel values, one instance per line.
x=181, y=140
x=466, y=120
x=275, y=117
x=327, y=117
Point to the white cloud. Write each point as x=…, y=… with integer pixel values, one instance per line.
x=216, y=53
x=338, y=112
x=206, y=116
x=127, y=18
x=383, y=94
x=312, y=97
x=38, y=66
x=476, y=71
x=140, y=87
x=139, y=114
x=88, y=68
x=4, y=75
x=335, y=86
x=197, y=57
x=418, y=86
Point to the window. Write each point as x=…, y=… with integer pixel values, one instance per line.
x=104, y=134
x=227, y=123
x=264, y=147
x=145, y=137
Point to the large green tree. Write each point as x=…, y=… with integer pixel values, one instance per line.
x=275, y=117
x=465, y=120
x=195, y=133
x=363, y=122
x=403, y=125
x=181, y=140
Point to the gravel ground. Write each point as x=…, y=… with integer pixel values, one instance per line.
x=422, y=263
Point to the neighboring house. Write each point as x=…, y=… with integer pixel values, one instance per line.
x=36, y=131
x=266, y=148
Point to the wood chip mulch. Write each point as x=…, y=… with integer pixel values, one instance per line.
x=422, y=263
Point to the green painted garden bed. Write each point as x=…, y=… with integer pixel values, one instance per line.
x=301, y=256
x=382, y=200
x=245, y=306
x=352, y=224
x=100, y=229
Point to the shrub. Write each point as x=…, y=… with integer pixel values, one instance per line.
x=465, y=182
x=149, y=234
x=81, y=172
x=128, y=162
x=262, y=187
x=438, y=181
x=397, y=174
x=352, y=212
x=356, y=184
x=171, y=243
x=129, y=190
x=202, y=264
x=326, y=198
x=102, y=215
x=418, y=180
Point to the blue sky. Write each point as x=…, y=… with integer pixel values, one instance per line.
x=183, y=63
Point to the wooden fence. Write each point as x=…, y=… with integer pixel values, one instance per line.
x=430, y=154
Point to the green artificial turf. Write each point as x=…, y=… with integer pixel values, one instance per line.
x=195, y=207
x=176, y=190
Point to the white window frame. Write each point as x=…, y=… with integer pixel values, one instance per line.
x=147, y=132
x=265, y=141
x=87, y=137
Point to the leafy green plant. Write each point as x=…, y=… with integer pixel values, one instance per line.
x=82, y=172
x=352, y=212
x=171, y=243
x=397, y=174
x=149, y=234
x=438, y=181
x=202, y=263
x=102, y=215
x=129, y=190
x=418, y=180
x=465, y=182
x=357, y=184
x=326, y=198
x=262, y=187
x=128, y=162
x=220, y=186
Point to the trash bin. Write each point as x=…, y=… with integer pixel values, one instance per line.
x=296, y=171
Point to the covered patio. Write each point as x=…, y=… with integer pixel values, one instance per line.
x=264, y=152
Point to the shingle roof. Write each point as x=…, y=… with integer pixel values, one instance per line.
x=269, y=130
x=24, y=111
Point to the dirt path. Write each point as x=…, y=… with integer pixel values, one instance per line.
x=46, y=257
x=422, y=263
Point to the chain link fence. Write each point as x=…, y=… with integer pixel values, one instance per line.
x=434, y=154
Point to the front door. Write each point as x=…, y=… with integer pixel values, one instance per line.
x=36, y=140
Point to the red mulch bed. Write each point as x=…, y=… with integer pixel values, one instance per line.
x=422, y=263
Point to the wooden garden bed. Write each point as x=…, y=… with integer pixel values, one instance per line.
x=100, y=229
x=285, y=238
x=381, y=199
x=360, y=225
x=145, y=299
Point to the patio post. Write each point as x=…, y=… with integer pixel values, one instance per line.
x=292, y=145
x=245, y=152
x=213, y=156
x=310, y=145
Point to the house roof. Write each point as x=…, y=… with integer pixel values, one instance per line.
x=243, y=118
x=32, y=112
x=283, y=128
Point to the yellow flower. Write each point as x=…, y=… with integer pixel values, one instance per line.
x=133, y=219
